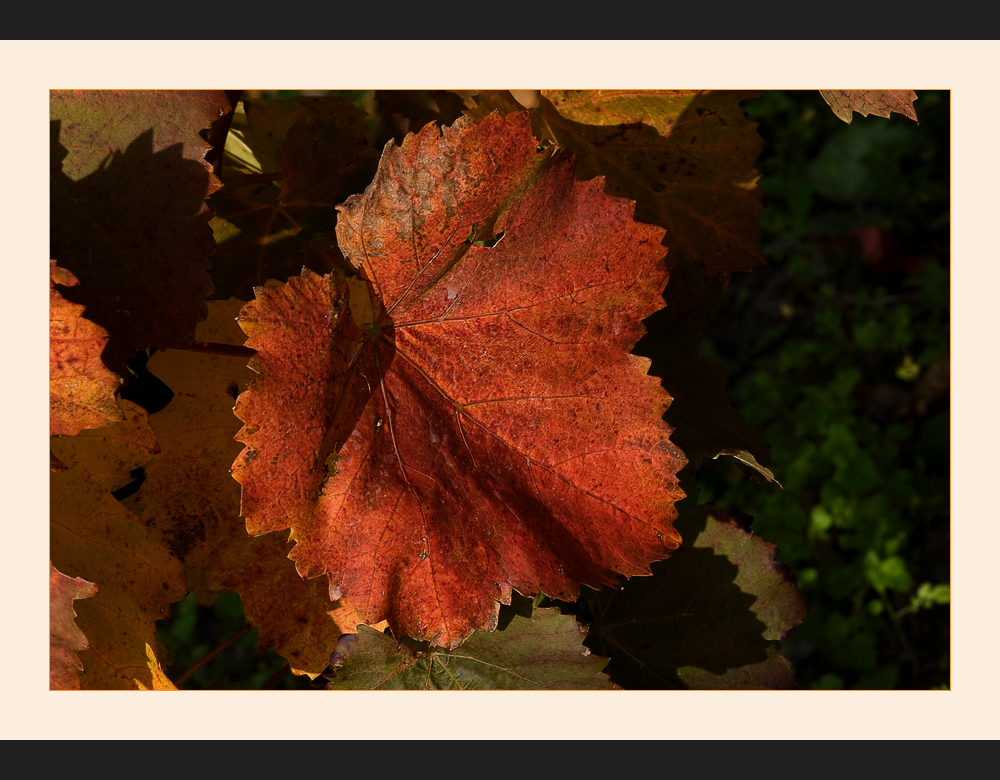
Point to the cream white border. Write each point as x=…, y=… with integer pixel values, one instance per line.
x=967, y=711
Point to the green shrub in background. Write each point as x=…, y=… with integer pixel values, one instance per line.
x=837, y=352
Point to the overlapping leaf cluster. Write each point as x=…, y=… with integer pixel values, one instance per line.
x=442, y=409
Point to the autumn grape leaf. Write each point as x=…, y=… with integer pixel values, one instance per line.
x=191, y=504
x=543, y=652
x=293, y=161
x=81, y=389
x=94, y=537
x=128, y=214
x=488, y=430
x=708, y=618
x=880, y=102
x=65, y=637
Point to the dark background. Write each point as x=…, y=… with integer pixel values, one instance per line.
x=837, y=351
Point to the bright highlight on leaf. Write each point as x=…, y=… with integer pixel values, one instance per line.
x=543, y=652
x=490, y=429
x=81, y=388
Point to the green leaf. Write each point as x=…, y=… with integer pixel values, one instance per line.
x=543, y=652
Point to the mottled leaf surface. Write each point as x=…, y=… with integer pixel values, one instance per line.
x=880, y=102
x=709, y=616
x=191, y=504
x=291, y=163
x=488, y=429
x=94, y=537
x=128, y=213
x=687, y=159
x=543, y=652
x=81, y=388
x=65, y=637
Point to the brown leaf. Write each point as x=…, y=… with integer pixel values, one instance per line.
x=880, y=102
x=65, y=638
x=93, y=536
x=81, y=388
x=488, y=429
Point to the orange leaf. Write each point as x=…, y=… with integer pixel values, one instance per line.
x=488, y=429
x=81, y=389
x=94, y=536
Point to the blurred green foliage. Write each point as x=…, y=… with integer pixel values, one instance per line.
x=837, y=352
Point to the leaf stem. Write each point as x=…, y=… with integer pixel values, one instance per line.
x=214, y=348
x=212, y=654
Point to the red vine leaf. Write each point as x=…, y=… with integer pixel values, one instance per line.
x=541, y=652
x=880, y=102
x=81, y=389
x=488, y=429
x=129, y=182
x=65, y=638
x=191, y=505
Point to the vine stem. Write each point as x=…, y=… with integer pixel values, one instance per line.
x=215, y=348
x=210, y=655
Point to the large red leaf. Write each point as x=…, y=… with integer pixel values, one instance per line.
x=484, y=427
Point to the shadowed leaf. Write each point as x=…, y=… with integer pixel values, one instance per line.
x=543, y=652
x=685, y=157
x=128, y=213
x=297, y=160
x=709, y=616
